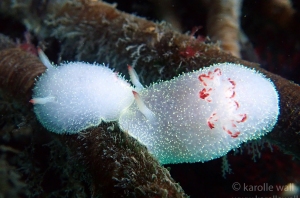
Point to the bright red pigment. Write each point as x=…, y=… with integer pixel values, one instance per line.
x=207, y=81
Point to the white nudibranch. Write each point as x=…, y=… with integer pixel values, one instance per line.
x=203, y=114
x=77, y=95
x=195, y=117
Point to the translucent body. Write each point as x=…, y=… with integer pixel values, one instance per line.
x=202, y=115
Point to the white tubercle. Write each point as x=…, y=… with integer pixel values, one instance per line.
x=77, y=95
x=203, y=114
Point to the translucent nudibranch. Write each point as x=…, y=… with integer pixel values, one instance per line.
x=202, y=115
x=195, y=117
x=77, y=95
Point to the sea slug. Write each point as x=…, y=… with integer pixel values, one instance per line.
x=202, y=115
x=195, y=117
x=76, y=95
